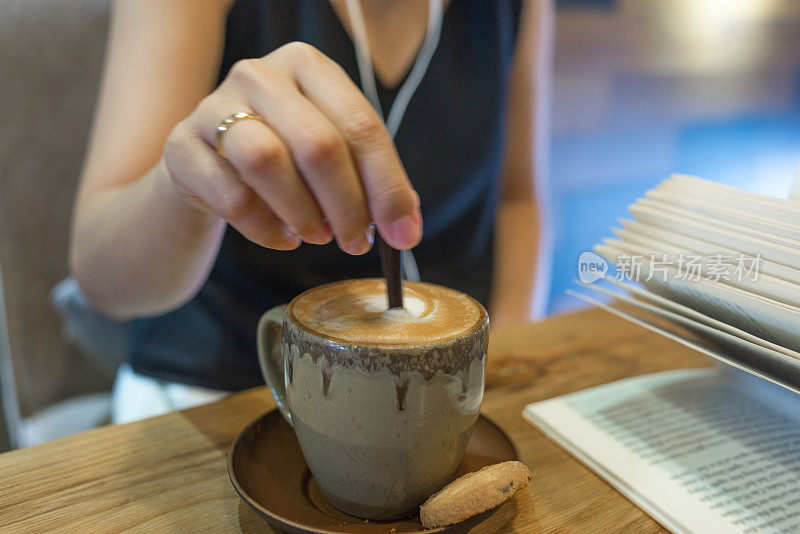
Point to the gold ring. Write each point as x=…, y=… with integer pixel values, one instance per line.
x=226, y=124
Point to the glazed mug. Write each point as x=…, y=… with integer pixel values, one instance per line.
x=381, y=427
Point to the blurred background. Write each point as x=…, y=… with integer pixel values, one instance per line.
x=642, y=89
x=646, y=88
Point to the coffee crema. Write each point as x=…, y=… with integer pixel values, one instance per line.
x=355, y=311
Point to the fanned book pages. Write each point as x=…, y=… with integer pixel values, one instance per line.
x=700, y=450
x=712, y=266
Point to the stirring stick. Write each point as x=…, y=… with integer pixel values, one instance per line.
x=390, y=264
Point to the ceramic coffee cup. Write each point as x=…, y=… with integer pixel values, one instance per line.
x=382, y=418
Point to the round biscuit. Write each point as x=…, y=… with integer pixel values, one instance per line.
x=474, y=493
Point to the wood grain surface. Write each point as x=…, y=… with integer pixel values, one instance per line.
x=168, y=474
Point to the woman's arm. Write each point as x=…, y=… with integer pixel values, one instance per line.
x=155, y=196
x=137, y=245
x=518, y=229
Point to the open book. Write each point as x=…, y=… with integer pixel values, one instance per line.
x=701, y=450
x=704, y=450
x=712, y=266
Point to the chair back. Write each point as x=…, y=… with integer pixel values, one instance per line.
x=51, y=55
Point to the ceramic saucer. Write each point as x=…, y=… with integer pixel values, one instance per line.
x=268, y=471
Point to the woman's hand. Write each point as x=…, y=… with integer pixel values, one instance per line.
x=322, y=166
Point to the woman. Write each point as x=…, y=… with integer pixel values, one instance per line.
x=193, y=230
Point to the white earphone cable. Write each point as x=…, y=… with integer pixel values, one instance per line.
x=407, y=90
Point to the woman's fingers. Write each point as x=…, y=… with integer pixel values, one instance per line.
x=393, y=203
x=322, y=160
x=265, y=165
x=211, y=182
x=319, y=150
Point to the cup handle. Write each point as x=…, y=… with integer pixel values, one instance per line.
x=270, y=357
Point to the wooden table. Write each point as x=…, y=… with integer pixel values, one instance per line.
x=168, y=473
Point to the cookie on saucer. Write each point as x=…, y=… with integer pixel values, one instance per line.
x=474, y=493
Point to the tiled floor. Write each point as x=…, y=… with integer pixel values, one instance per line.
x=645, y=88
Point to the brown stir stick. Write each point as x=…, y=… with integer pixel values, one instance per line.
x=390, y=264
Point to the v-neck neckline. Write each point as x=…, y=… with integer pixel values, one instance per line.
x=393, y=89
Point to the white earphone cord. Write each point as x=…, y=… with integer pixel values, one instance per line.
x=418, y=70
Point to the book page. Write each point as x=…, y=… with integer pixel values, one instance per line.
x=739, y=354
x=702, y=450
x=684, y=315
x=764, y=318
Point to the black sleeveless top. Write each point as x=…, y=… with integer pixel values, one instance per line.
x=450, y=141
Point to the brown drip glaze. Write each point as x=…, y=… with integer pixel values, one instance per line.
x=451, y=357
x=401, y=388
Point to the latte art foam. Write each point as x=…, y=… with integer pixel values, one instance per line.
x=356, y=311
